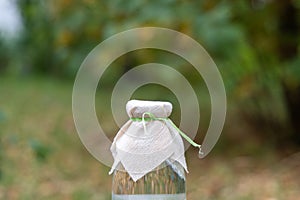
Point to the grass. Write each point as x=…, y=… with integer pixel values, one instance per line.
x=41, y=156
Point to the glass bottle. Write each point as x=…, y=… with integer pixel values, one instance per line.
x=166, y=182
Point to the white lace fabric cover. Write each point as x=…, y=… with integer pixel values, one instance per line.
x=142, y=151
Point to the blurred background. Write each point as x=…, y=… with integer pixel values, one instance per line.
x=255, y=44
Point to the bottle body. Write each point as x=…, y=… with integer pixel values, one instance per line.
x=166, y=182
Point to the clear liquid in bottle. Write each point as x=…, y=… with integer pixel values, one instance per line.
x=166, y=182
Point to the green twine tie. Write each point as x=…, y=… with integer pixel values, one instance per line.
x=152, y=117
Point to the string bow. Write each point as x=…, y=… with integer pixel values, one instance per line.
x=151, y=117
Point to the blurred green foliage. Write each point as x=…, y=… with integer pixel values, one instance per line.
x=40, y=150
x=254, y=43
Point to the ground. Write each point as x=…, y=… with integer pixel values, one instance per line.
x=41, y=156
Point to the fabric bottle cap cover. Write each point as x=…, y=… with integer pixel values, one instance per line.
x=147, y=140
